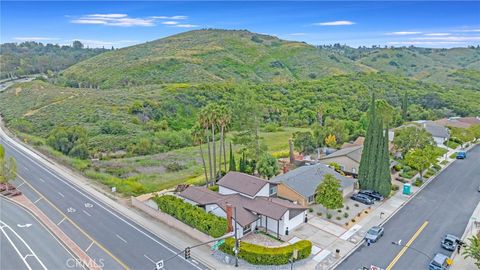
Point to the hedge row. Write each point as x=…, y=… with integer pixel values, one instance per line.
x=256, y=254
x=192, y=215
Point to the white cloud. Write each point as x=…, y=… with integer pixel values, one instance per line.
x=34, y=38
x=449, y=38
x=113, y=20
x=169, y=22
x=178, y=17
x=423, y=42
x=297, y=34
x=94, y=43
x=187, y=25
x=469, y=30
x=334, y=23
x=437, y=34
x=403, y=33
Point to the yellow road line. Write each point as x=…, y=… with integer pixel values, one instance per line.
x=75, y=224
x=404, y=249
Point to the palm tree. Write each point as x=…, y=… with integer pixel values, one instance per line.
x=473, y=250
x=224, y=119
x=213, y=115
x=204, y=121
x=8, y=168
x=198, y=134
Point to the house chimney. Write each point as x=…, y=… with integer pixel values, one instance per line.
x=292, y=157
x=229, y=218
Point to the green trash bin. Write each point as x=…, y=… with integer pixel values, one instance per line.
x=407, y=188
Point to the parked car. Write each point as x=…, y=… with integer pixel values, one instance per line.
x=450, y=242
x=372, y=194
x=440, y=262
x=461, y=155
x=374, y=234
x=362, y=198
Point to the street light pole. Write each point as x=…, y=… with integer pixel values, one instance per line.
x=236, y=236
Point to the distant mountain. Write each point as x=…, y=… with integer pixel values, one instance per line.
x=35, y=57
x=239, y=55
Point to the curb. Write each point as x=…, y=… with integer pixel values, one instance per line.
x=336, y=264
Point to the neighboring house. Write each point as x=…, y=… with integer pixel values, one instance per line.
x=440, y=134
x=300, y=185
x=248, y=185
x=359, y=141
x=245, y=194
x=348, y=159
x=459, y=122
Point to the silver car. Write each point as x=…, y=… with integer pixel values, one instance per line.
x=374, y=234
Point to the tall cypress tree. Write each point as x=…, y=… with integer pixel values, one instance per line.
x=367, y=164
x=233, y=165
x=384, y=184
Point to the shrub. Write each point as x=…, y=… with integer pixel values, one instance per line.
x=192, y=215
x=281, y=154
x=436, y=167
x=174, y=166
x=339, y=210
x=444, y=162
x=397, y=167
x=395, y=187
x=353, y=220
x=418, y=182
x=261, y=255
x=319, y=214
x=454, y=155
x=356, y=205
x=338, y=218
x=347, y=207
x=310, y=210
x=345, y=215
x=329, y=216
x=214, y=188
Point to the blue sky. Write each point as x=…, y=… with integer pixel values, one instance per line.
x=122, y=23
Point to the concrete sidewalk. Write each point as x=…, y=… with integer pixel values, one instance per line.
x=459, y=262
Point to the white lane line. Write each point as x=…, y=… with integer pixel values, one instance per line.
x=41, y=180
x=86, y=213
x=119, y=237
x=195, y=262
x=26, y=168
x=21, y=184
x=148, y=258
x=60, y=221
x=39, y=161
x=61, y=194
x=91, y=244
x=31, y=253
x=37, y=200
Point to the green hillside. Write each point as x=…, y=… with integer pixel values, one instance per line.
x=238, y=55
x=210, y=56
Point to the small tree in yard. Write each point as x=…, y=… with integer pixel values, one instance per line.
x=329, y=193
x=331, y=140
x=473, y=250
x=8, y=167
x=267, y=166
x=420, y=159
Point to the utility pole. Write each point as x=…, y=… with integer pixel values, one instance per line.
x=236, y=236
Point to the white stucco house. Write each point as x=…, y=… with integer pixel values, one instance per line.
x=440, y=134
x=254, y=201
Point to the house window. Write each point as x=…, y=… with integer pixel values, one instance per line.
x=247, y=229
x=273, y=190
x=311, y=198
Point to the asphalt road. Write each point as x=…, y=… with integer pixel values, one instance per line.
x=22, y=236
x=111, y=239
x=446, y=204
